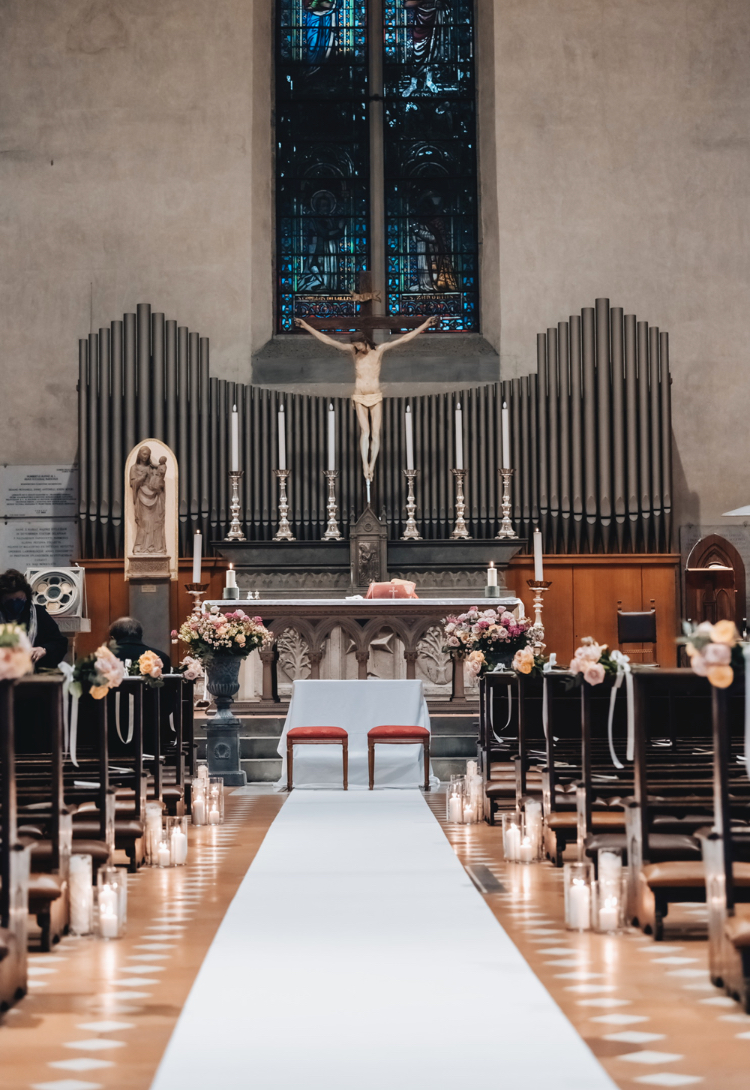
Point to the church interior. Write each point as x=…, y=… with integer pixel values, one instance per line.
x=373, y=609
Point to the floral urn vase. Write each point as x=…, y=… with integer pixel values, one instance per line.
x=223, y=731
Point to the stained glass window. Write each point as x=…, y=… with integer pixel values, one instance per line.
x=324, y=181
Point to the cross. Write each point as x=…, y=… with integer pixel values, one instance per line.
x=365, y=321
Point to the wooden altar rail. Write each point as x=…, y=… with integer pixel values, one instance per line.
x=582, y=600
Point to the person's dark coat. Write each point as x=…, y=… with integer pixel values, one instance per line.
x=133, y=649
x=48, y=635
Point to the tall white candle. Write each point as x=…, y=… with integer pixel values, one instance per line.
x=579, y=906
x=492, y=575
x=459, y=437
x=513, y=845
x=231, y=576
x=235, y=441
x=409, y=424
x=282, y=438
x=538, y=562
x=506, y=437
x=197, y=554
x=331, y=437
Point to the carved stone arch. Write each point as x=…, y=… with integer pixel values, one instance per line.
x=715, y=582
x=377, y=624
x=351, y=628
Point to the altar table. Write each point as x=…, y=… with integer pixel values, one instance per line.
x=357, y=706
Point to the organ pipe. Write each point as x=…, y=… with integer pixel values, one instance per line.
x=583, y=455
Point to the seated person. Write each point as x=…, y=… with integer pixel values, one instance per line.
x=127, y=634
x=49, y=645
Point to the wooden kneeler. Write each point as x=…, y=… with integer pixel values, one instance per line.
x=316, y=736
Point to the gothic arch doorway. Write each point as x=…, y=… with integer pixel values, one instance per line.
x=715, y=582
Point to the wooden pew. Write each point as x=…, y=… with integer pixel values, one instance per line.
x=14, y=867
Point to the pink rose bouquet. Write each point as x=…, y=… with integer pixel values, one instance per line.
x=216, y=633
x=593, y=662
x=15, y=652
x=494, y=635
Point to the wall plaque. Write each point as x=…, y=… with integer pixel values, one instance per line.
x=38, y=491
x=38, y=543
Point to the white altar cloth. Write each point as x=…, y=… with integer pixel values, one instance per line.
x=357, y=706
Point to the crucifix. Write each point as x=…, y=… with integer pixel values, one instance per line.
x=367, y=358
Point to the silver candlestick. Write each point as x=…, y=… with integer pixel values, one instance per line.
x=459, y=530
x=332, y=532
x=284, y=532
x=235, y=530
x=411, y=533
x=539, y=587
x=506, y=527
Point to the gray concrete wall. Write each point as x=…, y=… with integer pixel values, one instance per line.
x=135, y=154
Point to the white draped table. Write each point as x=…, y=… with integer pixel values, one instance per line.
x=357, y=706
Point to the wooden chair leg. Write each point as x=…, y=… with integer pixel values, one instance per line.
x=345, y=758
x=371, y=762
x=426, y=745
x=289, y=764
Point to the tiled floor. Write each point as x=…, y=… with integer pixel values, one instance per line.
x=100, y=1014
x=647, y=1010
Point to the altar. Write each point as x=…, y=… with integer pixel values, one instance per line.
x=303, y=630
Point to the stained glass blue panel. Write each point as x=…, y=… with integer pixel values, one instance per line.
x=430, y=161
x=322, y=156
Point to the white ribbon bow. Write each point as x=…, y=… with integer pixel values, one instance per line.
x=70, y=717
x=624, y=673
x=131, y=708
x=549, y=665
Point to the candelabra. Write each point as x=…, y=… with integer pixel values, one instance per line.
x=235, y=530
x=539, y=587
x=284, y=532
x=332, y=531
x=506, y=527
x=411, y=533
x=459, y=530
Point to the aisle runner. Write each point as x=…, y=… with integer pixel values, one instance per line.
x=358, y=956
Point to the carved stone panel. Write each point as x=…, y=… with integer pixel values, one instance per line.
x=369, y=551
x=294, y=659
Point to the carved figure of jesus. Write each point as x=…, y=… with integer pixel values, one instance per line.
x=367, y=397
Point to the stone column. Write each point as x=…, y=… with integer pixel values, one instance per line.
x=362, y=659
x=411, y=664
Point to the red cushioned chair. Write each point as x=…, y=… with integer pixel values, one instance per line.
x=398, y=736
x=316, y=736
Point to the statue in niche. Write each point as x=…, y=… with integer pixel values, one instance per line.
x=147, y=483
x=367, y=358
x=369, y=562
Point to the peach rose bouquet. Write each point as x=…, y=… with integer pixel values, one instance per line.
x=714, y=651
x=15, y=652
x=593, y=662
x=97, y=674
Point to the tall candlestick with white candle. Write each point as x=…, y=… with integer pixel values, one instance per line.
x=538, y=562
x=282, y=438
x=409, y=425
x=197, y=555
x=459, y=437
x=506, y=437
x=235, y=460
x=331, y=438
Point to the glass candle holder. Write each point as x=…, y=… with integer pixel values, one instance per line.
x=199, y=800
x=454, y=802
x=163, y=853
x=81, y=892
x=532, y=831
x=473, y=794
x=512, y=825
x=577, y=880
x=215, y=799
x=608, y=906
x=609, y=867
x=152, y=832
x=110, y=917
x=176, y=830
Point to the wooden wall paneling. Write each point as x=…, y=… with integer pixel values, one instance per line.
x=596, y=592
x=662, y=584
x=558, y=613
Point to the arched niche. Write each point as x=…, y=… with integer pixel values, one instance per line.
x=715, y=582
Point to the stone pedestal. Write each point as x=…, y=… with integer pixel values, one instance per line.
x=223, y=732
x=149, y=598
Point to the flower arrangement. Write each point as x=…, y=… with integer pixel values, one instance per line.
x=190, y=668
x=528, y=661
x=487, y=637
x=714, y=651
x=15, y=652
x=593, y=662
x=216, y=633
x=98, y=673
x=149, y=666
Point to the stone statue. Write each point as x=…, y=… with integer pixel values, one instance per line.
x=147, y=483
x=367, y=397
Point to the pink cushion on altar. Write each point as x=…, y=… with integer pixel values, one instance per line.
x=302, y=734
x=397, y=731
x=397, y=588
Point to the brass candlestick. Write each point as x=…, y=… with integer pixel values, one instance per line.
x=411, y=533
x=197, y=590
x=459, y=530
x=506, y=527
x=284, y=532
x=540, y=587
x=332, y=531
x=235, y=530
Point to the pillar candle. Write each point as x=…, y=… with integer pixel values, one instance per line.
x=178, y=847
x=197, y=554
x=199, y=810
x=163, y=855
x=235, y=464
x=459, y=437
x=506, y=437
x=108, y=925
x=455, y=809
x=282, y=438
x=492, y=575
x=231, y=576
x=214, y=817
x=524, y=852
x=609, y=915
x=331, y=437
x=513, y=845
x=579, y=906
x=538, y=563
x=409, y=438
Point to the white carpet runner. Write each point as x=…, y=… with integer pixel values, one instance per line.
x=358, y=955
